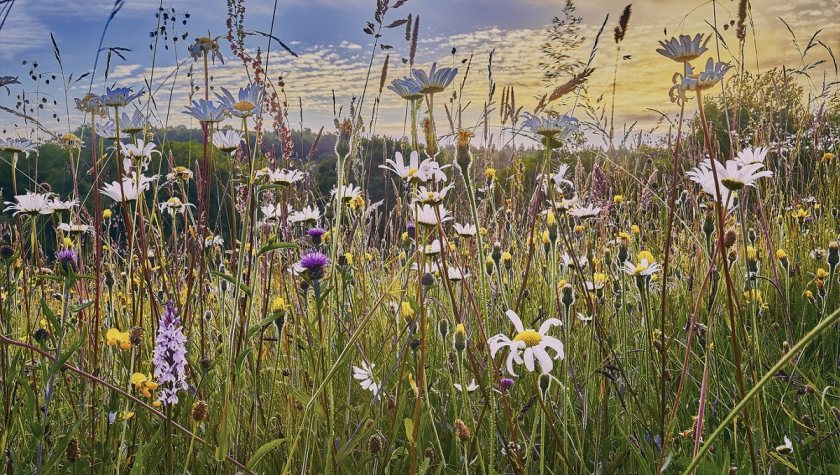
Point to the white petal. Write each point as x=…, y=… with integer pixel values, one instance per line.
x=514, y=318
x=546, y=325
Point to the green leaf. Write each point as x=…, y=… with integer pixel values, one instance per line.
x=262, y=324
x=409, y=429
x=240, y=359
x=66, y=356
x=275, y=246
x=262, y=451
x=54, y=322
x=81, y=306
x=235, y=282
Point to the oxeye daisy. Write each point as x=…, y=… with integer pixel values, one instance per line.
x=108, y=130
x=430, y=215
x=18, y=146
x=465, y=230
x=364, y=375
x=284, y=177
x=528, y=346
x=436, y=80
x=227, y=141
x=425, y=195
x=58, y=205
x=206, y=45
x=127, y=189
x=309, y=214
x=407, y=88
x=206, y=111
x=31, y=204
x=585, y=212
x=132, y=124
x=119, y=96
x=406, y=171
x=551, y=127
x=247, y=103
x=91, y=103
x=347, y=193
x=683, y=49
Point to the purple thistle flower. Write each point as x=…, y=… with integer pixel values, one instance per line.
x=314, y=264
x=411, y=229
x=67, y=260
x=170, y=356
x=505, y=384
x=316, y=234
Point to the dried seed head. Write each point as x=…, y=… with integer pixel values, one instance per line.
x=462, y=432
x=375, y=443
x=73, y=451
x=729, y=238
x=136, y=336
x=199, y=411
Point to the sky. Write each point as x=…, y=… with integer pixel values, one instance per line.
x=334, y=53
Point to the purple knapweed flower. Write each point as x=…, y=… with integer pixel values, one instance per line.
x=170, y=356
x=316, y=234
x=314, y=263
x=67, y=260
x=505, y=384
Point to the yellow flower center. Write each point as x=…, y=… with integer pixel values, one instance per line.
x=639, y=269
x=733, y=185
x=529, y=337
x=412, y=172
x=244, y=106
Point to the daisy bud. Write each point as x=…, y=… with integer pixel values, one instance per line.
x=443, y=328
x=496, y=254
x=460, y=339
x=833, y=254
x=342, y=145
x=545, y=383
x=751, y=236
x=708, y=223
x=489, y=265
x=462, y=154
x=568, y=295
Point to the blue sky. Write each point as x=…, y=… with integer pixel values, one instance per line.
x=334, y=51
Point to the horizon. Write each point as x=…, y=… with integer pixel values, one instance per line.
x=334, y=56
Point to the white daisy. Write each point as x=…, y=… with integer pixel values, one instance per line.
x=470, y=387
x=227, y=140
x=425, y=195
x=58, y=205
x=585, y=212
x=683, y=49
x=348, y=192
x=528, y=345
x=74, y=228
x=428, y=215
x=129, y=190
x=309, y=214
x=364, y=375
x=31, y=204
x=465, y=230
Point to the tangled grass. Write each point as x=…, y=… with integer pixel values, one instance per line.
x=561, y=309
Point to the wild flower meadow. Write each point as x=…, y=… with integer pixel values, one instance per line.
x=499, y=289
